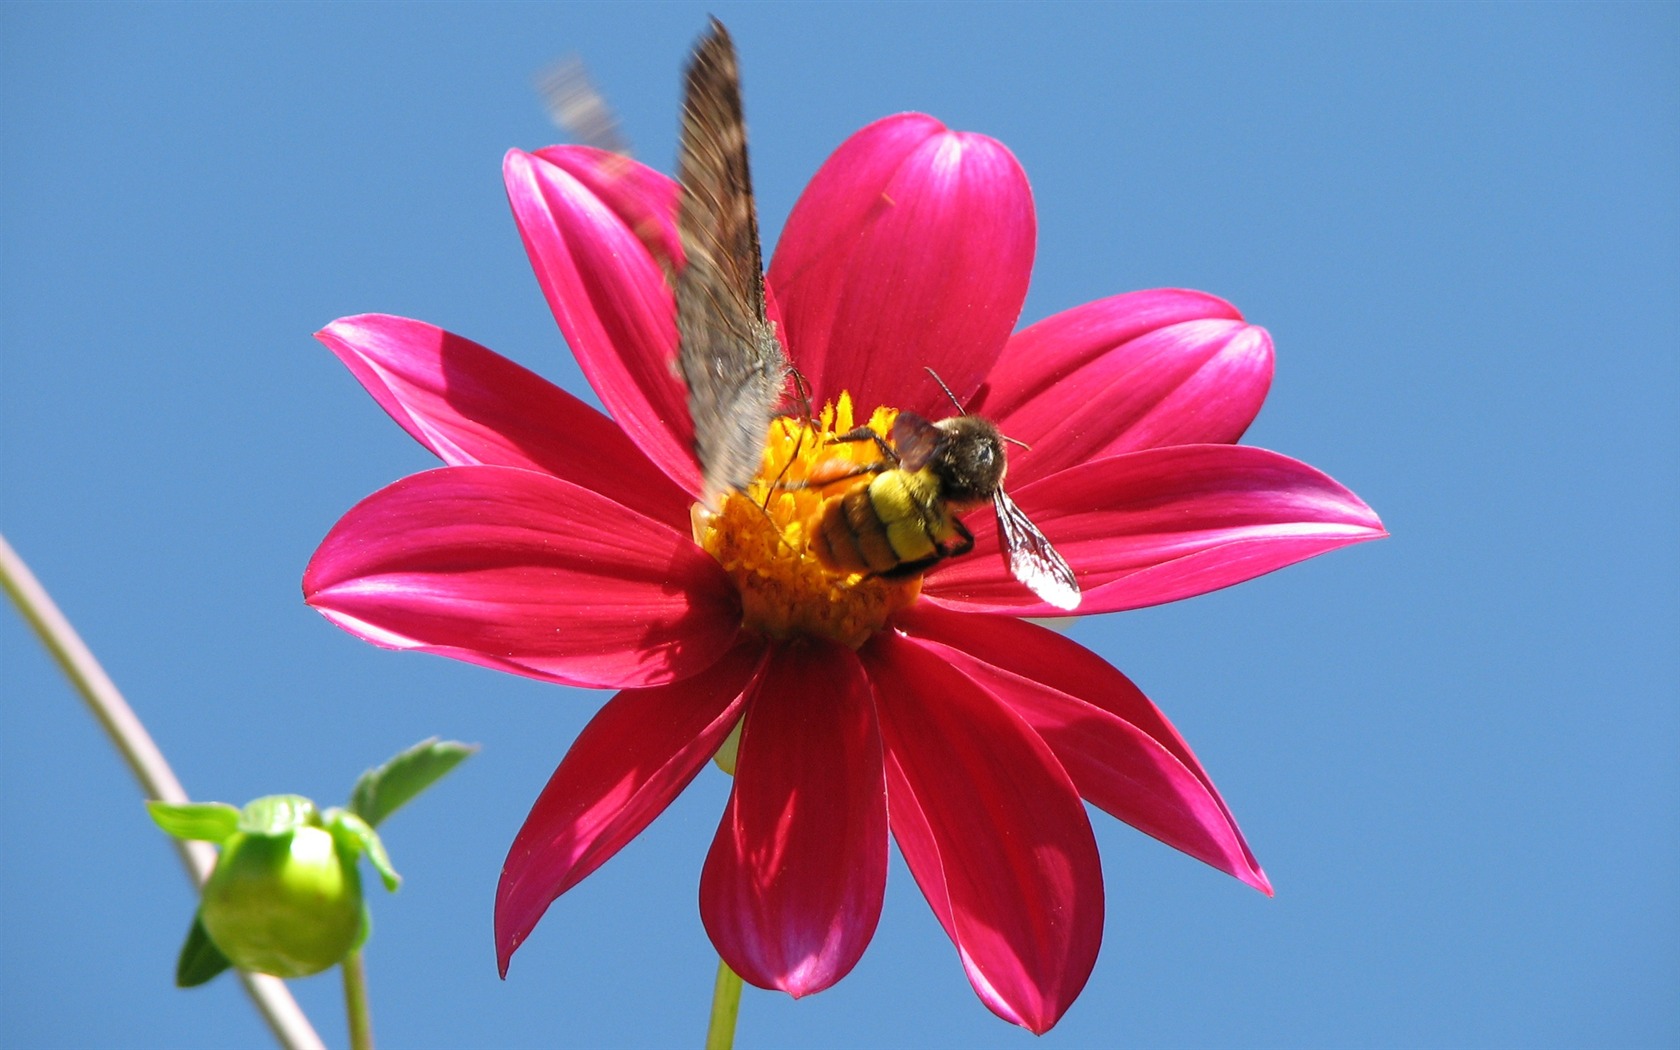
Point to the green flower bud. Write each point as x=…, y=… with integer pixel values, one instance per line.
x=286, y=897
x=286, y=903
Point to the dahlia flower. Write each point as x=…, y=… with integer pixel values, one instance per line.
x=567, y=545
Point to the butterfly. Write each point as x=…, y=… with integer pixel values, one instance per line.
x=728, y=353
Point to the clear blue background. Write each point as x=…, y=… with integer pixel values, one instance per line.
x=1454, y=751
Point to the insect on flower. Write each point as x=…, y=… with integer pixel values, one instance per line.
x=717, y=559
x=902, y=521
x=728, y=353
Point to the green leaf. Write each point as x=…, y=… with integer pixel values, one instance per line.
x=200, y=958
x=276, y=815
x=202, y=821
x=357, y=836
x=380, y=792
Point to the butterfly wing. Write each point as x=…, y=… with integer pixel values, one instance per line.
x=578, y=108
x=728, y=352
x=1030, y=557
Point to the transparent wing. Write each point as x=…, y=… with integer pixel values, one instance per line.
x=1030, y=557
x=728, y=353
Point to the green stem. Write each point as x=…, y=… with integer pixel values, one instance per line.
x=356, y=1001
x=726, y=1004
x=157, y=781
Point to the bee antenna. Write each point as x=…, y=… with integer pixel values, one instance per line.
x=1016, y=441
x=947, y=390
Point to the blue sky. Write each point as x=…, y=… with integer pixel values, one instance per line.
x=1454, y=751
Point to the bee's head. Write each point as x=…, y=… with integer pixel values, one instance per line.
x=970, y=462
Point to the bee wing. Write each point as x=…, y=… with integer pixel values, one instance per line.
x=915, y=440
x=728, y=352
x=1030, y=557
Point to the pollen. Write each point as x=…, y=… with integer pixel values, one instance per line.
x=762, y=537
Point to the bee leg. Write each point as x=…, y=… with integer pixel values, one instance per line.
x=802, y=391
x=964, y=542
x=857, y=471
x=802, y=410
x=888, y=453
x=910, y=568
x=777, y=486
x=764, y=509
x=888, y=461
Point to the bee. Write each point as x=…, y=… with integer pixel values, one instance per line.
x=904, y=521
x=728, y=354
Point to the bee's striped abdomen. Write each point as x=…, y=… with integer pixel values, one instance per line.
x=894, y=521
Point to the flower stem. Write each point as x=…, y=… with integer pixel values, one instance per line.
x=157, y=781
x=356, y=1001
x=726, y=1004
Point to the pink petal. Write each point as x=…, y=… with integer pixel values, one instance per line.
x=1163, y=524
x=613, y=304
x=792, y=887
x=992, y=830
x=471, y=406
x=524, y=572
x=645, y=200
x=634, y=757
x=910, y=249
x=1122, y=753
x=1136, y=371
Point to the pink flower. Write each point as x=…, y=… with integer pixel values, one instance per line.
x=559, y=544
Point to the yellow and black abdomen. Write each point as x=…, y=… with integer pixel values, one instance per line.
x=896, y=523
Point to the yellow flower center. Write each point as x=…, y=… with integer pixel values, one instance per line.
x=762, y=537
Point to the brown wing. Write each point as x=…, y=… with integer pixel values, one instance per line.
x=1030, y=557
x=578, y=108
x=727, y=350
x=915, y=440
